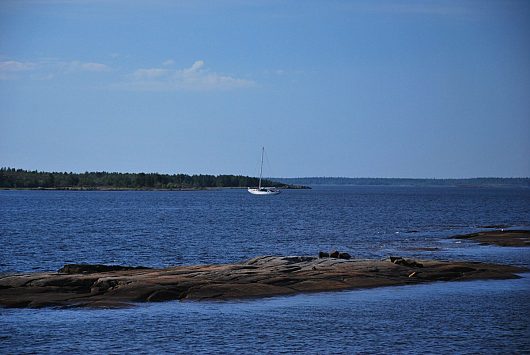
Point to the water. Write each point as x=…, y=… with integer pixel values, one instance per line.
x=42, y=230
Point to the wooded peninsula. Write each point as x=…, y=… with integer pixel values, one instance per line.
x=11, y=178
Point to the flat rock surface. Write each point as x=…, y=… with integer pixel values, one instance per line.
x=108, y=287
x=503, y=238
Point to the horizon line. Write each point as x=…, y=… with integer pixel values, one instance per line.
x=277, y=177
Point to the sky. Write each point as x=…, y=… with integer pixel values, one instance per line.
x=425, y=89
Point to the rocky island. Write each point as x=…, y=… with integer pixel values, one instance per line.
x=102, y=286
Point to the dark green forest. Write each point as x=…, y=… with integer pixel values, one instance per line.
x=21, y=179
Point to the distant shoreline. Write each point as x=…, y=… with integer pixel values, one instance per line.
x=136, y=189
x=294, y=187
x=110, y=189
x=11, y=178
x=408, y=182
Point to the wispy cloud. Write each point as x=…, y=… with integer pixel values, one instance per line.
x=165, y=77
x=150, y=74
x=168, y=62
x=46, y=68
x=14, y=66
x=11, y=68
x=87, y=66
x=194, y=78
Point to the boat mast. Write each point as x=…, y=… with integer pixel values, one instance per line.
x=261, y=168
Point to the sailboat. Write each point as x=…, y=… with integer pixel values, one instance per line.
x=263, y=190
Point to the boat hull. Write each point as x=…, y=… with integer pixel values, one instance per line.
x=264, y=191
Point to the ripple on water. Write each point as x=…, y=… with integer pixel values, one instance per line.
x=419, y=318
x=42, y=230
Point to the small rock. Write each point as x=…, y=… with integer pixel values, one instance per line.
x=334, y=254
x=345, y=256
x=323, y=254
x=393, y=259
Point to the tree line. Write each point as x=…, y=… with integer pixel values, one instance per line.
x=19, y=178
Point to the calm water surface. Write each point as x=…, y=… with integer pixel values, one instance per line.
x=42, y=230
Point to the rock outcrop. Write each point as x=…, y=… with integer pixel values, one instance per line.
x=98, y=286
x=503, y=238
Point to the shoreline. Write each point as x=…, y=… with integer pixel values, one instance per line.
x=139, y=189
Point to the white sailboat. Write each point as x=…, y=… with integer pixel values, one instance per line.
x=263, y=190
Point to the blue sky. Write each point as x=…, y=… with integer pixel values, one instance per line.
x=330, y=88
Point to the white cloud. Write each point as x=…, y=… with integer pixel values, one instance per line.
x=11, y=69
x=193, y=78
x=196, y=77
x=14, y=66
x=46, y=69
x=195, y=68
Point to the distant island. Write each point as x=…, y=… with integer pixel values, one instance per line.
x=471, y=182
x=11, y=178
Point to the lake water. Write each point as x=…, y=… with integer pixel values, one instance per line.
x=42, y=230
